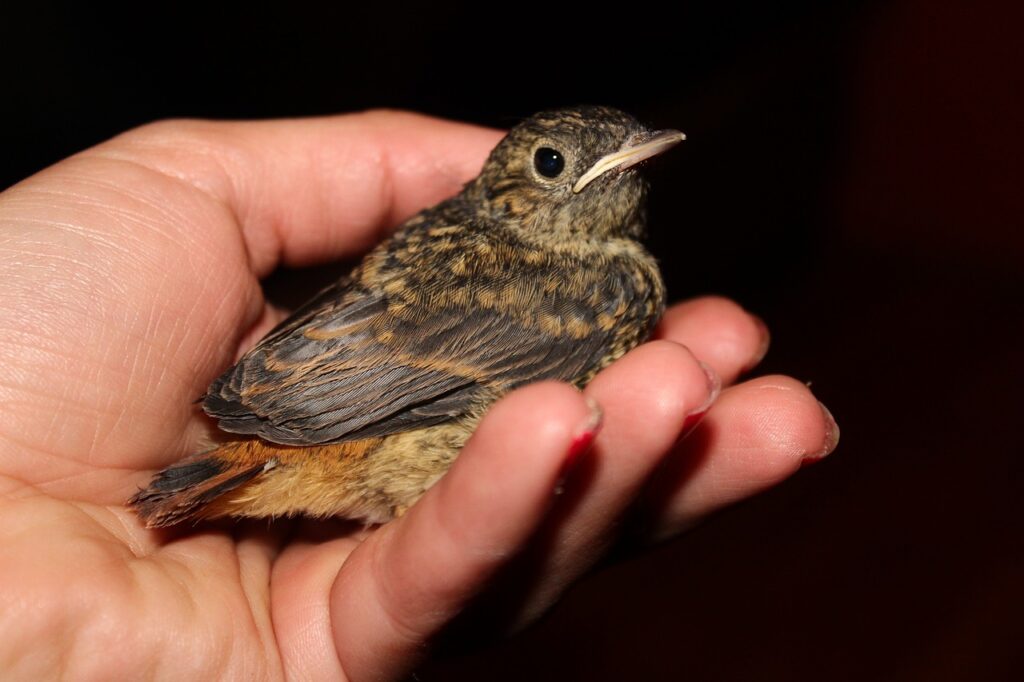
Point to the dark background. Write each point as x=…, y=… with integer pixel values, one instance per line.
x=854, y=173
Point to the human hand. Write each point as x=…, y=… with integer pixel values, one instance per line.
x=129, y=278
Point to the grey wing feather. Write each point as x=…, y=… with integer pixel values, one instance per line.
x=344, y=368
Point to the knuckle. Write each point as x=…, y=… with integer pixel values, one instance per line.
x=167, y=131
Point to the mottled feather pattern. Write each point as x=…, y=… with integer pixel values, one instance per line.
x=498, y=313
x=359, y=401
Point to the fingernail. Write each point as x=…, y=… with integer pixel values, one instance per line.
x=582, y=441
x=831, y=438
x=762, y=349
x=714, y=388
x=586, y=433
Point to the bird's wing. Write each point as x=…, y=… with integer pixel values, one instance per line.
x=361, y=361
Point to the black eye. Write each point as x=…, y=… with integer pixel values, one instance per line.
x=548, y=162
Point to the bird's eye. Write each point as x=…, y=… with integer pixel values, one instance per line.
x=548, y=162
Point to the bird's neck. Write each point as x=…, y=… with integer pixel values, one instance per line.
x=542, y=222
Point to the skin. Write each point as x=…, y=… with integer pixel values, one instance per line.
x=129, y=278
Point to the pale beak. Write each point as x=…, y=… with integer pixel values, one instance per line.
x=632, y=153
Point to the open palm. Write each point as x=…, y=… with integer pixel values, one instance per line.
x=129, y=278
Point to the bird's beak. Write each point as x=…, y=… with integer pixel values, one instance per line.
x=638, y=148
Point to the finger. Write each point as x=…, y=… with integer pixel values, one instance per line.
x=719, y=332
x=757, y=434
x=402, y=585
x=300, y=591
x=650, y=396
x=314, y=189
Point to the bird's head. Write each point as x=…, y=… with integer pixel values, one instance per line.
x=572, y=172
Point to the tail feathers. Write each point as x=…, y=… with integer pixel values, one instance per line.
x=182, y=492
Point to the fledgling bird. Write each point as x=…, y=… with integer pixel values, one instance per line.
x=360, y=401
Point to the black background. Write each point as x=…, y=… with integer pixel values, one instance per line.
x=853, y=174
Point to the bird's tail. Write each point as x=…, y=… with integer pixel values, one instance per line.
x=184, y=491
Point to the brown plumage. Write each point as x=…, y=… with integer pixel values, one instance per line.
x=359, y=402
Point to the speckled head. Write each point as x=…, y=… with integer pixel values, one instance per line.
x=573, y=171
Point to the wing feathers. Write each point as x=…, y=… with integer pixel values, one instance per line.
x=364, y=359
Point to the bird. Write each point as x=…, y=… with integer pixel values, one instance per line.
x=356, y=404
